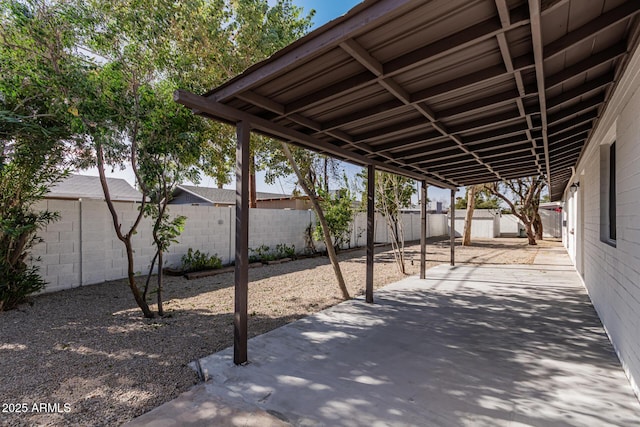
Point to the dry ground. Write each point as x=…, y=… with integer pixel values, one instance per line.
x=89, y=347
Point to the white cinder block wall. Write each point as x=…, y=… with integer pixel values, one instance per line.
x=612, y=274
x=481, y=228
x=82, y=248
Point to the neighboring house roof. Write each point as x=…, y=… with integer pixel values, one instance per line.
x=550, y=205
x=478, y=213
x=225, y=196
x=88, y=187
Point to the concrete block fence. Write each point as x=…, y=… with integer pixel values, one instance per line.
x=82, y=248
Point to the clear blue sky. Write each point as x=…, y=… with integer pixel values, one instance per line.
x=325, y=11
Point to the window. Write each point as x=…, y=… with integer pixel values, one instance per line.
x=608, y=224
x=612, y=192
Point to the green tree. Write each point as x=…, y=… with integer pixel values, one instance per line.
x=171, y=152
x=149, y=45
x=39, y=75
x=483, y=199
x=392, y=194
x=338, y=211
x=128, y=116
x=303, y=164
x=522, y=195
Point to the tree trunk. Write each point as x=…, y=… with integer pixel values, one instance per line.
x=124, y=238
x=331, y=252
x=326, y=174
x=132, y=282
x=146, y=284
x=471, y=205
x=160, y=309
x=537, y=226
x=530, y=234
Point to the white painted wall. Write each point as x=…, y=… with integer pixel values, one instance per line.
x=82, y=248
x=436, y=226
x=612, y=274
x=481, y=227
x=510, y=225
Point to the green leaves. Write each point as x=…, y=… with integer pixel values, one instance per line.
x=338, y=212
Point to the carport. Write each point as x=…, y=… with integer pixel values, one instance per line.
x=449, y=92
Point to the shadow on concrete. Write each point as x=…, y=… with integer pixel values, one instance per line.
x=469, y=346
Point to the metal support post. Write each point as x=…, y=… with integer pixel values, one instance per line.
x=242, y=244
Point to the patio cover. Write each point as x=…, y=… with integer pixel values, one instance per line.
x=454, y=92
x=449, y=92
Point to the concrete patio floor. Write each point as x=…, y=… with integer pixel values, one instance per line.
x=491, y=345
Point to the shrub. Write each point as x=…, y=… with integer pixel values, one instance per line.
x=17, y=236
x=262, y=253
x=285, y=251
x=197, y=261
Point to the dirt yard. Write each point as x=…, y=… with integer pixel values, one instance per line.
x=89, y=347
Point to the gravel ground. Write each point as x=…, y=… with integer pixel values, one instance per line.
x=90, y=348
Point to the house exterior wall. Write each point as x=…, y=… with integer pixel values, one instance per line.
x=611, y=273
x=551, y=223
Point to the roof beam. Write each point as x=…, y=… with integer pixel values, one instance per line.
x=337, y=134
x=420, y=56
x=570, y=152
x=465, y=160
x=426, y=149
x=460, y=40
x=505, y=17
x=506, y=97
x=424, y=138
x=361, y=55
x=569, y=133
x=593, y=28
x=350, y=84
x=582, y=90
x=569, y=124
x=575, y=141
x=503, y=142
x=391, y=130
x=564, y=165
x=593, y=61
x=481, y=179
x=462, y=82
x=366, y=17
x=484, y=122
x=496, y=133
x=451, y=153
x=230, y=114
x=368, y=113
x=588, y=104
x=536, y=39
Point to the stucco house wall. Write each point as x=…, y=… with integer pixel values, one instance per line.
x=611, y=270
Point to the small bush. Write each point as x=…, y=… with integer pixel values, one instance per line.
x=16, y=286
x=198, y=261
x=262, y=253
x=285, y=251
x=18, y=231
